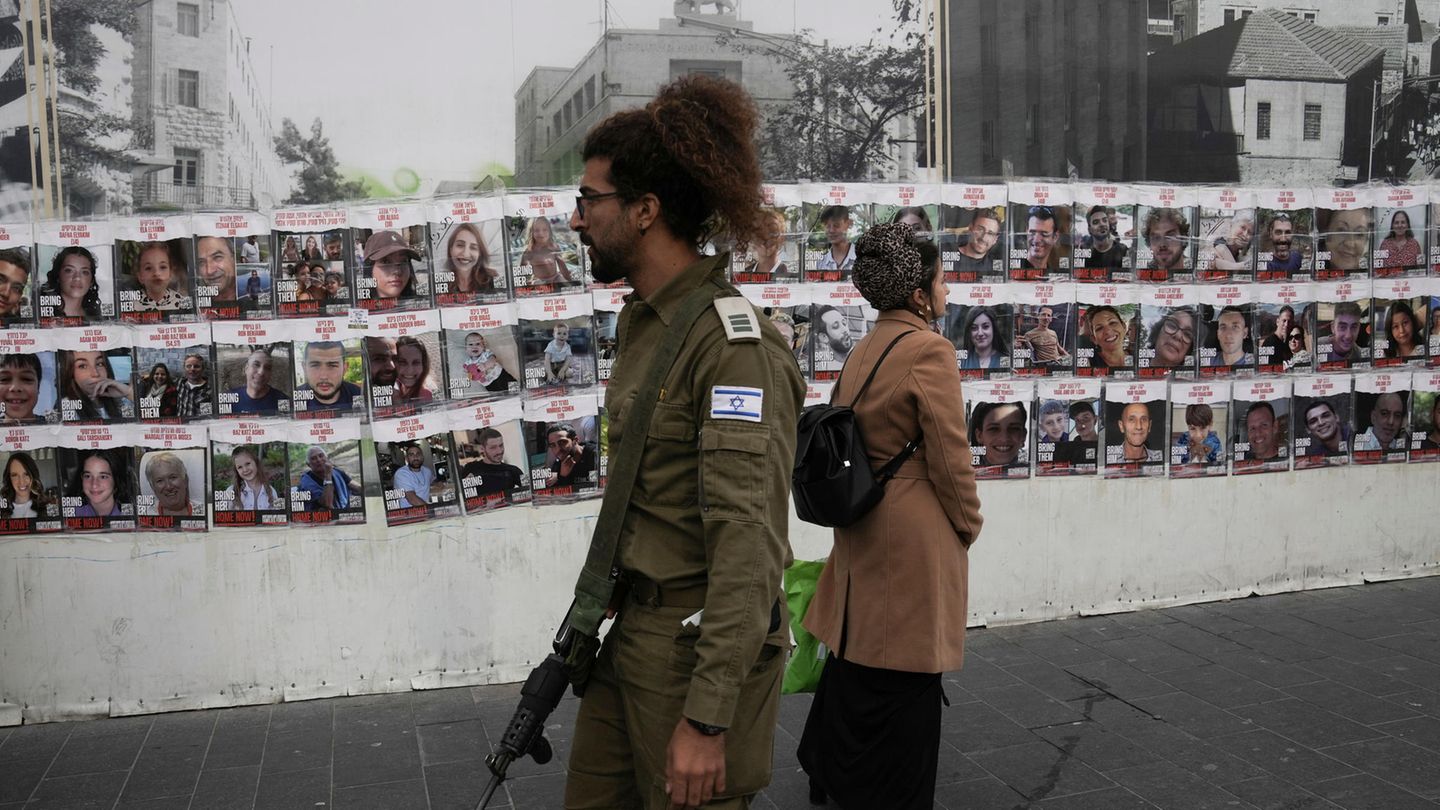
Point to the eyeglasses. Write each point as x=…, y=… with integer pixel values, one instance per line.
x=581, y=199
x=1296, y=336
x=1171, y=327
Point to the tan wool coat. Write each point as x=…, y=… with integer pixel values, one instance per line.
x=896, y=581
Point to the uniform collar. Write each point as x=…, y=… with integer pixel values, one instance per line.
x=904, y=316
x=667, y=300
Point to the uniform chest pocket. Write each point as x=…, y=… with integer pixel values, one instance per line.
x=668, y=472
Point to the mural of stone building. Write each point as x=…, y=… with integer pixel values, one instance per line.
x=200, y=111
x=1192, y=18
x=556, y=106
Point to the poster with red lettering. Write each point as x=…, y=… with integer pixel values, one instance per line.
x=490, y=451
x=392, y=257
x=997, y=412
x=979, y=322
x=1284, y=324
x=1199, y=428
x=234, y=269
x=842, y=318
x=1046, y=327
x=404, y=363
x=1135, y=429
x=17, y=283
x=252, y=368
x=916, y=205
x=1109, y=317
x=557, y=342
x=836, y=214
x=1260, y=425
x=97, y=477
x=1104, y=232
x=1400, y=231
x=30, y=484
x=1324, y=421
x=1227, y=315
x=1342, y=316
x=156, y=282
x=482, y=351
x=788, y=306
x=173, y=488
x=1169, y=328
x=29, y=388
x=972, y=233
x=563, y=438
x=1382, y=417
x=313, y=262
x=329, y=369
x=249, y=473
x=326, y=472
x=545, y=254
x=1285, y=221
x=77, y=261
x=1345, y=223
x=1039, y=231
x=95, y=366
x=608, y=302
x=467, y=243
x=1067, y=422
x=1167, y=233
x=1226, y=240
x=774, y=257
x=417, y=468
x=1425, y=416
x=1400, y=306
x=174, y=372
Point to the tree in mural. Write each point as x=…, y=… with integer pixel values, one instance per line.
x=85, y=133
x=317, y=179
x=847, y=102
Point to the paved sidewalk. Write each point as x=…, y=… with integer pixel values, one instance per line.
x=1322, y=699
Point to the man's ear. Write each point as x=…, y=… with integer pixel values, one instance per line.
x=646, y=211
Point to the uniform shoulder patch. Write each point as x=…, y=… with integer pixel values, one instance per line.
x=738, y=317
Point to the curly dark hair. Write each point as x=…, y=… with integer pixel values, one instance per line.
x=693, y=147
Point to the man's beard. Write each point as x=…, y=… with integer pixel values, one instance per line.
x=609, y=265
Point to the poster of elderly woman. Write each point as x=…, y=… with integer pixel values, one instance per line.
x=172, y=486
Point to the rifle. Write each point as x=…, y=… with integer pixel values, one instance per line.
x=525, y=735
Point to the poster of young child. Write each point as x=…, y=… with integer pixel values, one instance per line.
x=557, y=342
x=173, y=491
x=545, y=255
x=313, y=274
x=29, y=387
x=482, y=352
x=1199, y=428
x=234, y=275
x=78, y=260
x=156, y=283
x=1260, y=425
x=467, y=243
x=249, y=473
x=997, y=412
x=97, y=471
x=1067, y=425
x=1401, y=309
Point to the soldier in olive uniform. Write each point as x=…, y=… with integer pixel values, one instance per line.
x=680, y=708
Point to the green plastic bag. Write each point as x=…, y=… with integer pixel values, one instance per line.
x=802, y=673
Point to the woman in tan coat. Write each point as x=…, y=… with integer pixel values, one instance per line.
x=891, y=602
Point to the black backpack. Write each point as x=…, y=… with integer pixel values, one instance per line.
x=832, y=482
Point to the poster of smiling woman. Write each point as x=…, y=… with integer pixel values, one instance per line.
x=30, y=487
x=997, y=412
x=173, y=487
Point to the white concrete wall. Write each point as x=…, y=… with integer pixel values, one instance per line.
x=123, y=624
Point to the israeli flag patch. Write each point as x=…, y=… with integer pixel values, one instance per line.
x=734, y=402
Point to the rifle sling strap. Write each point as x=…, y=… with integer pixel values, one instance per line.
x=597, y=579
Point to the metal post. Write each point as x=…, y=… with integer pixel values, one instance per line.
x=1374, y=108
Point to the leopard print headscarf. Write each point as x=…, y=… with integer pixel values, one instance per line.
x=887, y=266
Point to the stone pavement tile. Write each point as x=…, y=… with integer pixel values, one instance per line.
x=227, y=788
x=1306, y=723
x=989, y=793
x=1141, y=618
x=1365, y=792
x=1284, y=647
x=1204, y=618
x=955, y=766
x=1174, y=788
x=1203, y=759
x=1337, y=644
x=1096, y=746
x=1409, y=669
x=995, y=648
x=1150, y=655
x=1115, y=798
x=405, y=795
x=297, y=751
x=94, y=754
x=1423, y=731
x=41, y=741
x=1217, y=685
x=1357, y=676
x=1354, y=623
x=308, y=715
x=90, y=790
x=163, y=803
x=1266, y=669
x=237, y=741
x=452, y=742
x=19, y=778
x=1396, y=761
x=293, y=789
x=1192, y=714
x=1058, y=648
x=1351, y=703
x=537, y=792
x=1026, y=705
x=372, y=722
x=794, y=709
x=1054, y=681
x=789, y=788
x=444, y=706
x=502, y=693
x=979, y=673
x=972, y=727
x=459, y=786
x=1119, y=679
x=389, y=759
x=107, y=727
x=1198, y=641
x=168, y=766
x=783, y=753
x=1273, y=793
x=1113, y=712
x=1038, y=770
x=1093, y=629
x=1422, y=645
x=1282, y=757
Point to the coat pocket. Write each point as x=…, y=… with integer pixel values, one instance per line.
x=734, y=476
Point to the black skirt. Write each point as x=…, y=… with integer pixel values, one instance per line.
x=872, y=739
